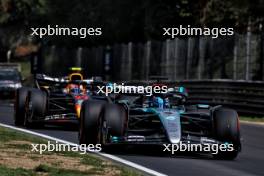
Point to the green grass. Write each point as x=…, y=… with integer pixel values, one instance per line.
x=8, y=146
x=25, y=69
x=53, y=171
x=18, y=146
x=94, y=160
x=7, y=135
x=4, y=171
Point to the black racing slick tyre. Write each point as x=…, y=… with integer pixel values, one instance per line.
x=115, y=117
x=91, y=122
x=36, y=103
x=19, y=106
x=226, y=128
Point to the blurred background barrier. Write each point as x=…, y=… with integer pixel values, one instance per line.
x=238, y=58
x=247, y=97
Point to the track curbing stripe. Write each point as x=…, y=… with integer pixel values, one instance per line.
x=108, y=156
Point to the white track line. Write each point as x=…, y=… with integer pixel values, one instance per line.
x=111, y=157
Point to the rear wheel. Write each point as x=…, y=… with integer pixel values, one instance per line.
x=90, y=130
x=226, y=127
x=36, y=103
x=20, y=100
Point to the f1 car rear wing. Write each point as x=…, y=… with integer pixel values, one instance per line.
x=45, y=80
x=42, y=79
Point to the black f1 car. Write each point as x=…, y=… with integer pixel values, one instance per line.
x=52, y=101
x=158, y=119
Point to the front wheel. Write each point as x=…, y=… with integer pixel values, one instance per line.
x=90, y=130
x=115, y=118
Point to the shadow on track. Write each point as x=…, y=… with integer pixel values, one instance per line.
x=64, y=127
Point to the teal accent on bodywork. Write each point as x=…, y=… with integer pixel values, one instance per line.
x=115, y=139
x=170, y=118
x=149, y=110
x=203, y=106
x=181, y=89
x=124, y=102
x=226, y=144
x=160, y=102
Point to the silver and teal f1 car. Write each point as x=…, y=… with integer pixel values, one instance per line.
x=157, y=120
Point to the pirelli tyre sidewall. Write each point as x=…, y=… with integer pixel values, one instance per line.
x=36, y=104
x=226, y=128
x=115, y=117
x=91, y=122
x=19, y=106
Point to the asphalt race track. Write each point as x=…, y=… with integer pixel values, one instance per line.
x=249, y=162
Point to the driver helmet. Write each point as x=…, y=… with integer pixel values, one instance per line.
x=74, y=89
x=158, y=102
